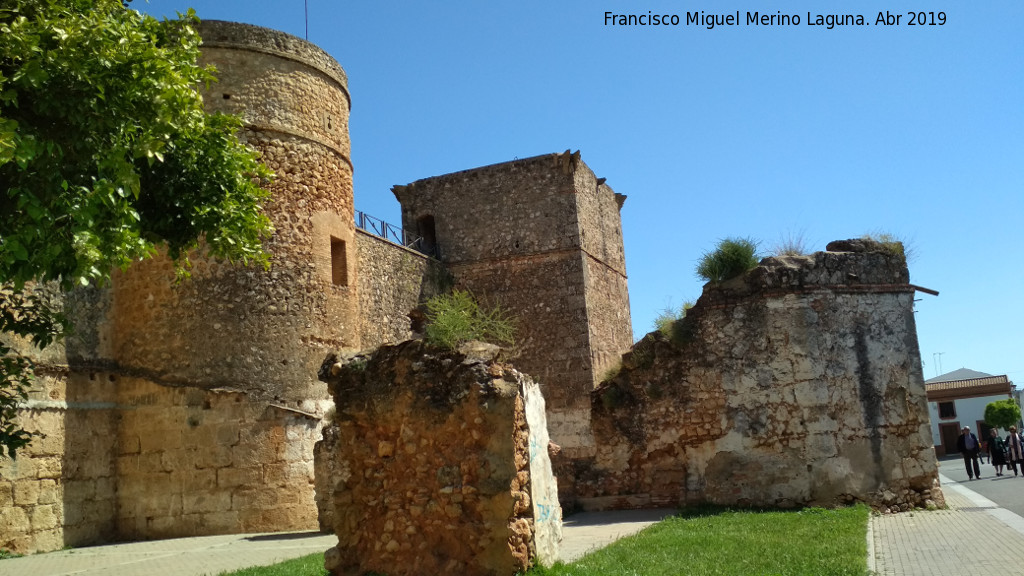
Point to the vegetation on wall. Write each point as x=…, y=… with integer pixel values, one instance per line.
x=730, y=258
x=792, y=244
x=892, y=245
x=456, y=318
x=667, y=318
x=1002, y=413
x=106, y=154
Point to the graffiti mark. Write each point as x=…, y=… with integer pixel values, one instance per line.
x=546, y=513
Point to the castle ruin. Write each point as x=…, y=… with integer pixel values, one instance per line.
x=193, y=408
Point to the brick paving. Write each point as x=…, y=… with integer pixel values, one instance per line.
x=974, y=536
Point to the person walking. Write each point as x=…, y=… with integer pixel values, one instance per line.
x=1015, y=450
x=996, y=451
x=969, y=447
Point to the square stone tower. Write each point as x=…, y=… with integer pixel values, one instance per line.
x=541, y=237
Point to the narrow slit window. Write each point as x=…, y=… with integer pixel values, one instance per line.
x=339, y=261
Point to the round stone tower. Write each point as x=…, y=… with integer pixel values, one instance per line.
x=263, y=332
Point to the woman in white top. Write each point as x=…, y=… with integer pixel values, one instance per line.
x=1015, y=450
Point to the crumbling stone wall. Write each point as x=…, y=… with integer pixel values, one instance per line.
x=443, y=464
x=393, y=281
x=798, y=384
x=542, y=237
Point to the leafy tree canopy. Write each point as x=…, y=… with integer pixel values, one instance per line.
x=1002, y=413
x=106, y=154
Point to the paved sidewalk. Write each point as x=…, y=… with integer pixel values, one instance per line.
x=203, y=556
x=585, y=532
x=973, y=536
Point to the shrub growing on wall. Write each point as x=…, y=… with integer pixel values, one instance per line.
x=455, y=318
x=731, y=258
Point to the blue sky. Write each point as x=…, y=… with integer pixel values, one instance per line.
x=765, y=132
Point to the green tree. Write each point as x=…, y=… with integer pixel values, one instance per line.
x=1002, y=413
x=106, y=154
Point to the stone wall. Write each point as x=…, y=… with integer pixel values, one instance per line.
x=799, y=384
x=192, y=461
x=442, y=468
x=72, y=464
x=124, y=458
x=393, y=281
x=542, y=238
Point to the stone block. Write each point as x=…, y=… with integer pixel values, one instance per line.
x=14, y=521
x=49, y=492
x=128, y=444
x=48, y=540
x=224, y=522
x=205, y=502
x=6, y=494
x=51, y=467
x=44, y=517
x=179, y=461
x=199, y=480
x=79, y=490
x=214, y=456
x=248, y=476
x=26, y=492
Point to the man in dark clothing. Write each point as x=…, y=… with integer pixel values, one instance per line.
x=967, y=444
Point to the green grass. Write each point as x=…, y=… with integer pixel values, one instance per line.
x=711, y=542
x=810, y=542
x=312, y=565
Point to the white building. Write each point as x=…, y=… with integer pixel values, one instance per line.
x=958, y=399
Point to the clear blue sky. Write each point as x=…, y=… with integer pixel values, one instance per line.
x=764, y=132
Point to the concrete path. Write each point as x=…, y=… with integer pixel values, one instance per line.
x=973, y=536
x=203, y=556
x=587, y=531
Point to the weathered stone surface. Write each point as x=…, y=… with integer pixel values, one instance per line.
x=798, y=384
x=393, y=281
x=439, y=470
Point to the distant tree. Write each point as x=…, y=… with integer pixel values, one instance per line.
x=1002, y=413
x=106, y=154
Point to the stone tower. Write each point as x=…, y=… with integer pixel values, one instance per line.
x=542, y=237
x=209, y=402
x=261, y=332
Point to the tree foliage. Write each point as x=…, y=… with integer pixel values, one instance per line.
x=1002, y=413
x=106, y=154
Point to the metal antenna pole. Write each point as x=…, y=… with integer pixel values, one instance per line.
x=306, y=3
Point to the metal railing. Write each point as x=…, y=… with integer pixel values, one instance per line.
x=392, y=233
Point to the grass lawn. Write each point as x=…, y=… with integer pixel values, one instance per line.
x=811, y=542
x=312, y=565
